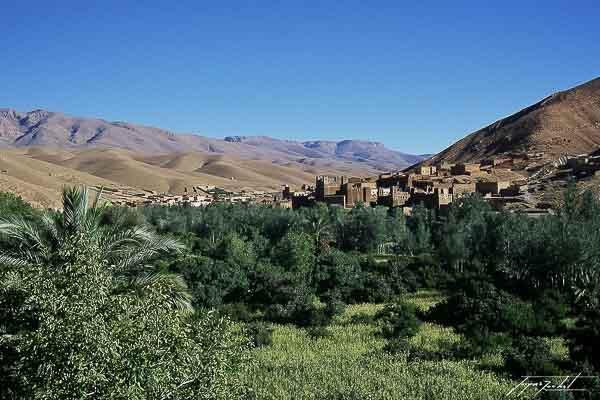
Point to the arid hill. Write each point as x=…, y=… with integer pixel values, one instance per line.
x=46, y=129
x=38, y=174
x=40, y=151
x=566, y=122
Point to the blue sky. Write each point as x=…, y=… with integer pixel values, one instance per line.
x=416, y=76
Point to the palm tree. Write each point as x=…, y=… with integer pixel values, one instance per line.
x=127, y=250
x=318, y=225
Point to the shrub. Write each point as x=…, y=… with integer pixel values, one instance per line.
x=480, y=340
x=488, y=317
x=13, y=205
x=371, y=287
x=336, y=274
x=397, y=346
x=212, y=282
x=584, y=339
x=366, y=319
x=237, y=312
x=550, y=310
x=333, y=308
x=91, y=338
x=304, y=311
x=260, y=333
x=398, y=320
x=530, y=356
x=275, y=313
x=429, y=273
x=480, y=307
x=319, y=332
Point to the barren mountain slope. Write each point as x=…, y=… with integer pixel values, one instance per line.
x=38, y=174
x=42, y=128
x=38, y=181
x=567, y=122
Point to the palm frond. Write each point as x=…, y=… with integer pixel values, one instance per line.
x=133, y=256
x=28, y=235
x=78, y=216
x=96, y=202
x=114, y=237
x=48, y=222
x=12, y=262
x=75, y=202
x=165, y=243
x=171, y=288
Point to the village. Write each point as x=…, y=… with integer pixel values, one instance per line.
x=194, y=196
x=508, y=183
x=434, y=186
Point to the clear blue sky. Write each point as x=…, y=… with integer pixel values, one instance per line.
x=414, y=75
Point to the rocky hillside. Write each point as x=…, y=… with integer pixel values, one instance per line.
x=566, y=122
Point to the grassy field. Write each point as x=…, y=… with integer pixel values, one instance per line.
x=351, y=364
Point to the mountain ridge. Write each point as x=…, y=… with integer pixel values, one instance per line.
x=42, y=128
x=42, y=151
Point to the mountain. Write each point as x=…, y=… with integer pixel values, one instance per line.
x=41, y=151
x=566, y=122
x=370, y=153
x=41, y=128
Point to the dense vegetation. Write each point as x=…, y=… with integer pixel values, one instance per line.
x=83, y=316
x=515, y=296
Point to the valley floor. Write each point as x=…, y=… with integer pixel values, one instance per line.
x=352, y=363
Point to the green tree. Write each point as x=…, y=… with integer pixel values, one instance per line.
x=364, y=229
x=296, y=254
x=80, y=328
x=317, y=224
x=420, y=224
x=398, y=320
x=398, y=231
x=10, y=204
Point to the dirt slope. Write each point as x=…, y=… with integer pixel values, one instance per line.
x=566, y=122
x=39, y=174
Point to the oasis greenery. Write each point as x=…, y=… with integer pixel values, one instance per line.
x=118, y=303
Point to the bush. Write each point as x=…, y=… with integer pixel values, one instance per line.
x=304, y=311
x=481, y=306
x=428, y=273
x=584, y=339
x=13, y=205
x=336, y=274
x=333, y=308
x=91, y=338
x=237, y=312
x=371, y=287
x=488, y=317
x=260, y=333
x=397, y=346
x=550, y=311
x=319, y=332
x=398, y=320
x=212, y=282
x=530, y=356
x=480, y=340
x=366, y=319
